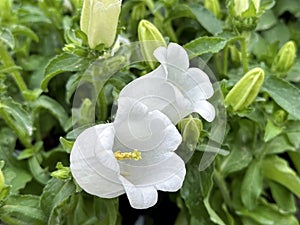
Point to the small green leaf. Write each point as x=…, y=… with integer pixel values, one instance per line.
x=23, y=30
x=67, y=145
x=54, y=194
x=108, y=210
x=283, y=198
x=18, y=119
x=238, y=159
x=284, y=94
x=271, y=131
x=64, y=62
x=252, y=185
x=45, y=102
x=40, y=174
x=203, y=45
x=278, y=170
x=206, y=19
x=22, y=210
x=7, y=37
x=279, y=145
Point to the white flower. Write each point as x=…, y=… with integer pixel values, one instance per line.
x=99, y=20
x=173, y=88
x=94, y=163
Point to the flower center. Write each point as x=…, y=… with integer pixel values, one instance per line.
x=136, y=155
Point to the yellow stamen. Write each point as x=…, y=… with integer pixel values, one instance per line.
x=136, y=155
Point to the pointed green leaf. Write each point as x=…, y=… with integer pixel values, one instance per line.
x=278, y=170
x=7, y=37
x=22, y=210
x=64, y=62
x=252, y=185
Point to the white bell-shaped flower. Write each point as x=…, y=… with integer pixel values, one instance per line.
x=173, y=88
x=133, y=155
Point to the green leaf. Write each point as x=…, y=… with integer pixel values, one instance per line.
x=203, y=45
x=23, y=30
x=55, y=108
x=271, y=131
x=238, y=159
x=22, y=210
x=64, y=62
x=206, y=19
x=252, y=185
x=17, y=119
x=278, y=170
x=194, y=190
x=107, y=210
x=284, y=94
x=40, y=174
x=14, y=170
x=7, y=37
x=55, y=193
x=283, y=198
x=67, y=145
x=295, y=157
x=268, y=215
x=279, y=145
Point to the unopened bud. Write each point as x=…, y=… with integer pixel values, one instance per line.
x=235, y=54
x=99, y=20
x=241, y=6
x=150, y=39
x=245, y=90
x=190, y=129
x=285, y=58
x=62, y=172
x=214, y=7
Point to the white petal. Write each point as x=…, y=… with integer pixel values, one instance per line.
x=140, y=197
x=205, y=109
x=93, y=164
x=176, y=56
x=167, y=174
x=137, y=128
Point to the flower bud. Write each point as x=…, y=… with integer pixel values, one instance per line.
x=150, y=39
x=62, y=172
x=242, y=6
x=245, y=90
x=99, y=20
x=285, y=58
x=236, y=55
x=190, y=129
x=214, y=7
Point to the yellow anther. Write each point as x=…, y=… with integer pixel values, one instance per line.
x=136, y=155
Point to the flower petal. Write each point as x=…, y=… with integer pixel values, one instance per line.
x=175, y=56
x=205, y=109
x=137, y=128
x=167, y=174
x=140, y=197
x=93, y=164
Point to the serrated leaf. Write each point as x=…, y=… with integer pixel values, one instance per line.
x=52, y=106
x=22, y=210
x=64, y=62
x=17, y=119
x=206, y=19
x=55, y=193
x=252, y=185
x=284, y=94
x=203, y=45
x=7, y=37
x=278, y=170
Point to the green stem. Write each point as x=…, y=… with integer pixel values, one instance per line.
x=7, y=61
x=244, y=53
x=225, y=61
x=223, y=188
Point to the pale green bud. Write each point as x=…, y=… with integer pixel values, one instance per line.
x=285, y=58
x=62, y=172
x=214, y=7
x=150, y=39
x=245, y=90
x=99, y=20
x=241, y=6
x=190, y=129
